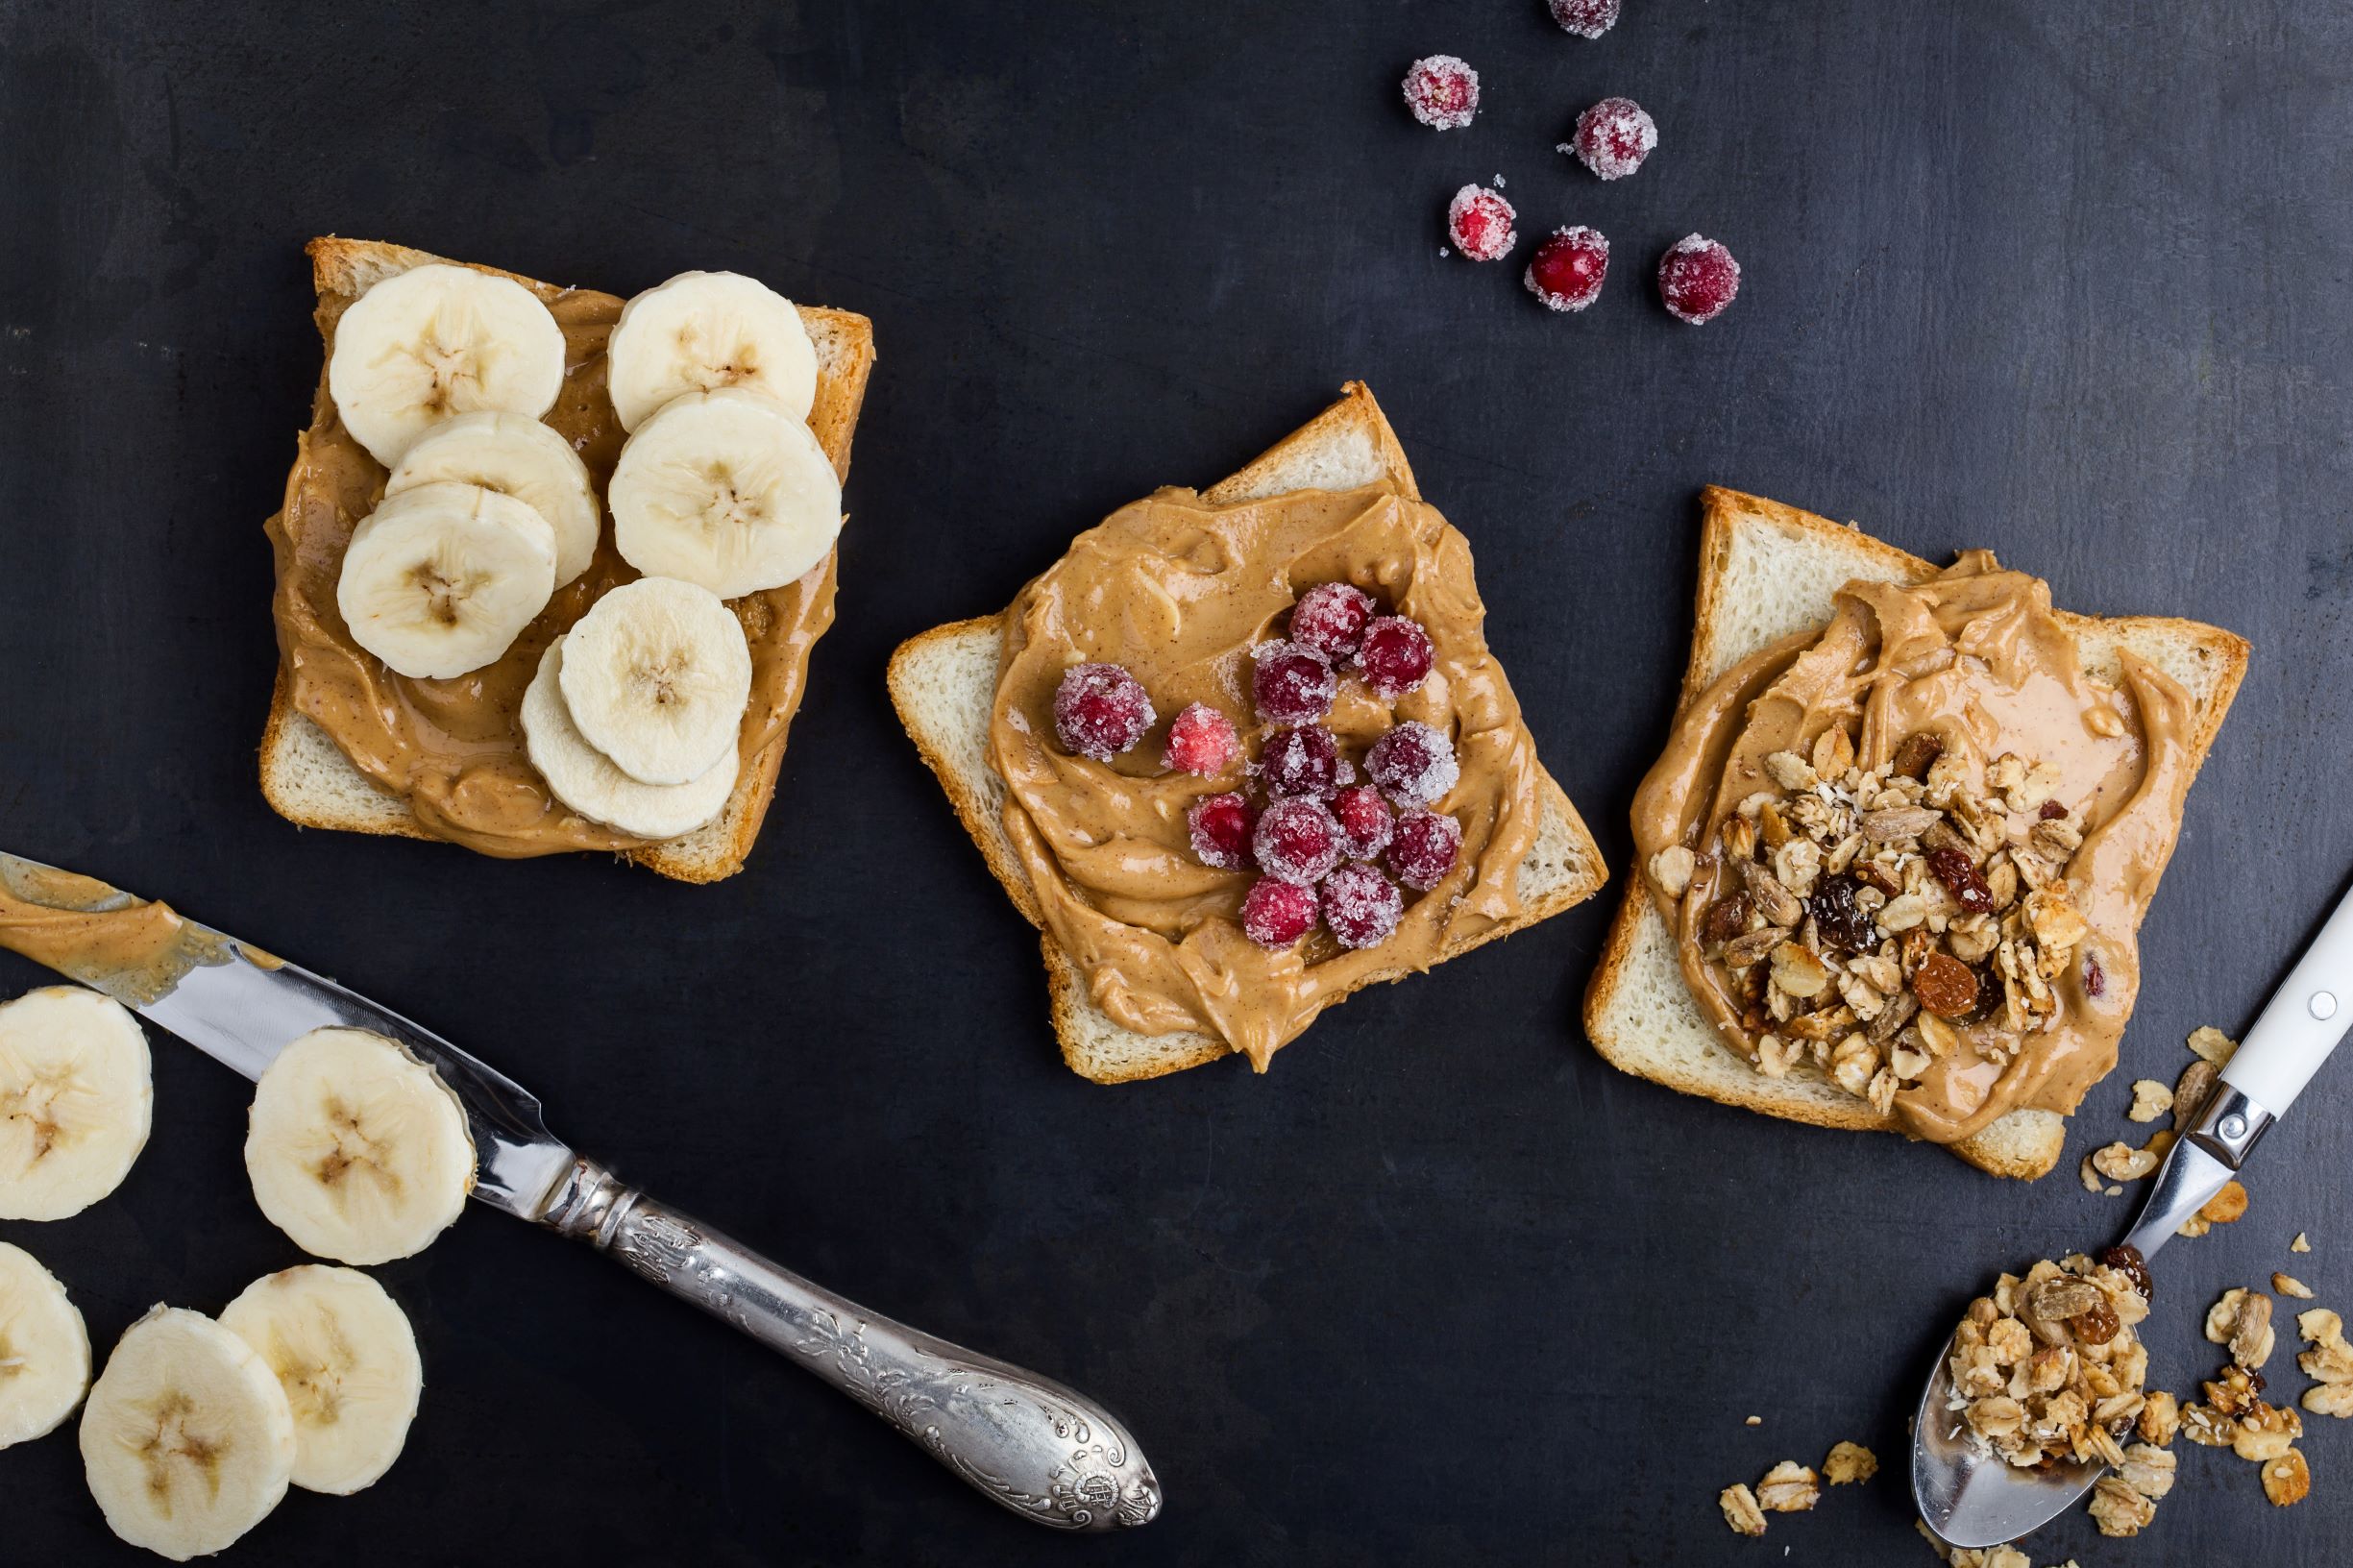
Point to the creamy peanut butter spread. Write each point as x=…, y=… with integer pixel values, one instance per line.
x=453, y=748
x=1179, y=591
x=1968, y=733
x=132, y=949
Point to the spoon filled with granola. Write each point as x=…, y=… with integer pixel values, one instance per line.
x=2040, y=1394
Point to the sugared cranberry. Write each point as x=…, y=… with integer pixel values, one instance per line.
x=1100, y=710
x=1567, y=270
x=1613, y=138
x=1586, y=18
x=1330, y=617
x=1360, y=905
x=1220, y=826
x=1395, y=656
x=1297, y=840
x=1201, y=741
x=1277, y=914
x=1424, y=849
x=1291, y=684
x=1697, y=278
x=1443, y=91
x=1412, y=763
x=1478, y=220
x=1367, y=821
x=1303, y=761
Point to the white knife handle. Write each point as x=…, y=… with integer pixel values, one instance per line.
x=2302, y=1022
x=1046, y=1453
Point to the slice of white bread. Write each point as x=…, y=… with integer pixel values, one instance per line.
x=1766, y=571
x=944, y=683
x=307, y=779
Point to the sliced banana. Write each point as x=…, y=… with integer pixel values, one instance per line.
x=347, y=1359
x=45, y=1350
x=356, y=1149
x=187, y=1441
x=518, y=456
x=75, y=1098
x=585, y=779
x=655, y=676
x=703, y=331
x=438, y=340
x=726, y=489
x=441, y=578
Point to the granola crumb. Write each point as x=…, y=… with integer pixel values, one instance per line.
x=2287, y=1479
x=2092, y=1179
x=2288, y=1285
x=2117, y=1509
x=1740, y=1510
x=2213, y=1044
x=2329, y=1362
x=1850, y=1463
x=1788, y=1488
x=2160, y=1418
x=2113, y=1192
x=2047, y=1366
x=2301, y=1243
x=2122, y=1163
x=1754, y=1421
x=2151, y=1099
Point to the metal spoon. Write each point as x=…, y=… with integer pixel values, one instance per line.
x=1971, y=1498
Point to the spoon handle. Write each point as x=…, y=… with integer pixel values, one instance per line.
x=2302, y=1022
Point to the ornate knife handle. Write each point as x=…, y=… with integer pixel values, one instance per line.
x=1043, y=1451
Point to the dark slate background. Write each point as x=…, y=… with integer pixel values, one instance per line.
x=2065, y=281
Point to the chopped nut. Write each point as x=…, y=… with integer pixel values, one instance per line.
x=2151, y=1099
x=2122, y=1163
x=1834, y=753
x=1740, y=1510
x=2287, y=1479
x=2093, y=1180
x=2117, y=1509
x=2212, y=1045
x=2104, y=722
x=2299, y=1244
x=1850, y=1463
x=2222, y=1315
x=1742, y=951
x=1898, y=825
x=2288, y=1285
x=1788, y=1488
x=1671, y=868
x=2196, y=1082
x=2160, y=1417
x=2246, y=1326
x=1775, y=902
x=2148, y=1470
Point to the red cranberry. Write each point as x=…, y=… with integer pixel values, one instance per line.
x=2095, y=978
x=1567, y=270
x=1100, y=710
x=1443, y=91
x=1412, y=763
x=1395, y=656
x=1367, y=821
x=1613, y=138
x=1479, y=221
x=1277, y=914
x=1586, y=18
x=1360, y=905
x=1297, y=840
x=1201, y=741
x=1424, y=849
x=1330, y=618
x=1303, y=761
x=1291, y=684
x=1697, y=278
x=1220, y=826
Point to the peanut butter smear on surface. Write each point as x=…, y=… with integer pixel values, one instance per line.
x=1179, y=591
x=1974, y=661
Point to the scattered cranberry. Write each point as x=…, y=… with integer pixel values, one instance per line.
x=2095, y=978
x=1567, y=270
x=1100, y=710
x=1613, y=138
x=1412, y=763
x=1425, y=849
x=2052, y=810
x=1480, y=222
x=1697, y=278
x=1367, y=821
x=1303, y=761
x=1221, y=825
x=1201, y=742
x=1360, y=905
x=1291, y=684
x=1443, y=91
x=1277, y=914
x=1330, y=618
x=1395, y=656
x=1297, y=840
x=1586, y=18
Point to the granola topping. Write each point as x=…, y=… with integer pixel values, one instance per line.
x=2048, y=1368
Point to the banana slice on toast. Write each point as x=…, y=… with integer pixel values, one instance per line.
x=442, y=578
x=703, y=331
x=727, y=490
x=585, y=779
x=518, y=456
x=438, y=340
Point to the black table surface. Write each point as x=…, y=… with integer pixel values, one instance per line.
x=2065, y=280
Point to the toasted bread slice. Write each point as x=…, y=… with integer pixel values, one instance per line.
x=1766, y=571
x=944, y=683
x=306, y=778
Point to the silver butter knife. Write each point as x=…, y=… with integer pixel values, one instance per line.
x=1039, y=1449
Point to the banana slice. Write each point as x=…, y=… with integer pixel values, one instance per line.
x=187, y=1441
x=727, y=489
x=45, y=1350
x=585, y=779
x=76, y=1099
x=442, y=578
x=655, y=676
x=347, y=1359
x=517, y=456
x=438, y=340
x=356, y=1149
x=703, y=331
